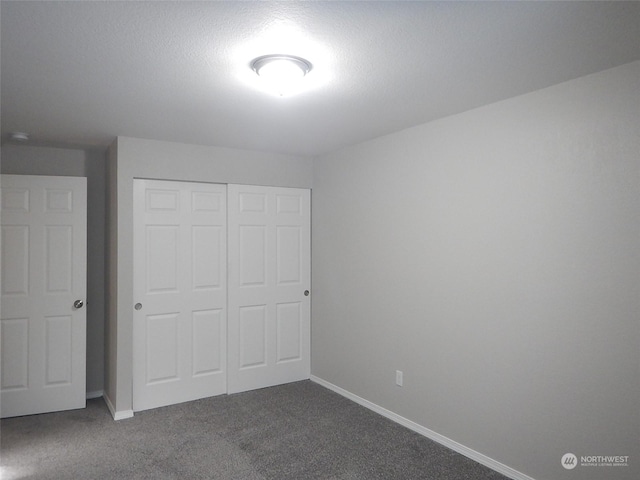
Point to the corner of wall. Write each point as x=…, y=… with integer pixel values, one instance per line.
x=117, y=415
x=112, y=275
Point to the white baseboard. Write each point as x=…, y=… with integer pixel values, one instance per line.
x=95, y=394
x=116, y=415
x=436, y=437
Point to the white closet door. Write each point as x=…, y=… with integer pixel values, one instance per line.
x=180, y=290
x=44, y=261
x=269, y=282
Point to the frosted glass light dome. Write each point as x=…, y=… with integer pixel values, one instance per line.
x=281, y=72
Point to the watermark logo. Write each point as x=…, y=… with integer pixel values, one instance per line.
x=569, y=461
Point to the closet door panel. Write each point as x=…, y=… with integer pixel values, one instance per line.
x=269, y=273
x=180, y=258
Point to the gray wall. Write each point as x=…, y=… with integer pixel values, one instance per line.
x=131, y=158
x=30, y=160
x=494, y=257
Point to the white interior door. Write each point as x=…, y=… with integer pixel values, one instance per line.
x=44, y=252
x=180, y=286
x=269, y=282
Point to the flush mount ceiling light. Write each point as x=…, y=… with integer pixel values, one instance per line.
x=19, y=136
x=282, y=73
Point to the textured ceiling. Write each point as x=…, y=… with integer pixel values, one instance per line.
x=81, y=73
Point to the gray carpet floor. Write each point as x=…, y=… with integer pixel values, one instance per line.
x=296, y=431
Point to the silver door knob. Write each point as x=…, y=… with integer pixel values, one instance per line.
x=78, y=304
x=137, y=306
x=306, y=293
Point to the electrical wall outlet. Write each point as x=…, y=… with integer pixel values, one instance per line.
x=399, y=378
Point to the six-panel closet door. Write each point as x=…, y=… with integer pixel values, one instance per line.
x=180, y=290
x=221, y=289
x=269, y=282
